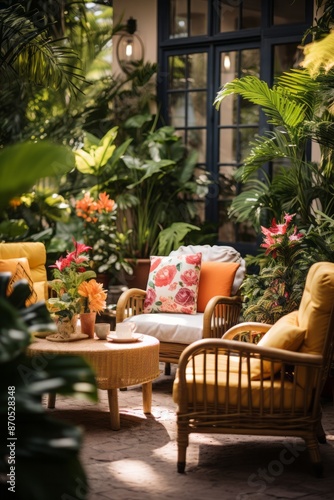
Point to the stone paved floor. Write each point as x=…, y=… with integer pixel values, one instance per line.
x=139, y=461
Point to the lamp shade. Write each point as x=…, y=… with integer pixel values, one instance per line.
x=129, y=47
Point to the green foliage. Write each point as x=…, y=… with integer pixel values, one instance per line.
x=38, y=159
x=46, y=450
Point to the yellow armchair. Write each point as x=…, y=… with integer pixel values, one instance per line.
x=269, y=388
x=34, y=260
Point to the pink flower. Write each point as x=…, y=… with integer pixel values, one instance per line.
x=288, y=217
x=189, y=277
x=295, y=235
x=195, y=258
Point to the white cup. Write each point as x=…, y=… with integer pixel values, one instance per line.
x=102, y=330
x=125, y=330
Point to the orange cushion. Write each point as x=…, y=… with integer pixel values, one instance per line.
x=19, y=268
x=216, y=278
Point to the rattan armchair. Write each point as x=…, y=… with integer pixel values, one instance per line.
x=221, y=312
x=270, y=388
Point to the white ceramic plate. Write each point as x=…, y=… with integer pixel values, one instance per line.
x=135, y=337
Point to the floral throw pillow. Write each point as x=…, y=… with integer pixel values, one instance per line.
x=172, y=284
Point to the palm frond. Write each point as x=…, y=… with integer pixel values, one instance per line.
x=318, y=55
x=271, y=146
x=299, y=84
x=27, y=51
x=253, y=202
x=281, y=107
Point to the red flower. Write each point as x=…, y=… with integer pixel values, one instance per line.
x=185, y=297
x=165, y=275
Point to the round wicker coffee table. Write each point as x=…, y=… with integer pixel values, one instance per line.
x=116, y=365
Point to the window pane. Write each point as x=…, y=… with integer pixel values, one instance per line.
x=289, y=11
x=176, y=107
x=198, y=17
x=239, y=15
x=197, y=140
x=286, y=57
x=238, y=118
x=196, y=109
x=177, y=72
x=197, y=69
x=178, y=18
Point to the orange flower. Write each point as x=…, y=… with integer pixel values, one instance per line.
x=94, y=294
x=105, y=203
x=86, y=208
x=15, y=202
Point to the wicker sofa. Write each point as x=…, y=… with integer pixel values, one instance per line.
x=176, y=331
x=271, y=388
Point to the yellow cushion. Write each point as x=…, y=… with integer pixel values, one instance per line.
x=284, y=334
x=316, y=305
x=19, y=269
x=216, y=278
x=269, y=399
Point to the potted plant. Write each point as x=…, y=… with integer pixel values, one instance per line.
x=77, y=292
x=153, y=185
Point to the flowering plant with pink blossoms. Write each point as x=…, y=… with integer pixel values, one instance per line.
x=277, y=289
x=69, y=272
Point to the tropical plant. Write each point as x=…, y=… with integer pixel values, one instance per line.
x=152, y=184
x=30, y=58
x=99, y=230
x=278, y=287
x=154, y=187
x=44, y=456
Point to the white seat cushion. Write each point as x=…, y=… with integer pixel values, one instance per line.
x=170, y=327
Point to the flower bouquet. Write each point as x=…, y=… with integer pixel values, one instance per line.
x=69, y=273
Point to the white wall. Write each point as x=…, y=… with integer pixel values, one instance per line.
x=146, y=15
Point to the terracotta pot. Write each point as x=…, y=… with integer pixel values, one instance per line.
x=88, y=323
x=141, y=270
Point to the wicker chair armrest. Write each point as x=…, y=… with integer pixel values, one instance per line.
x=247, y=331
x=220, y=314
x=243, y=349
x=130, y=303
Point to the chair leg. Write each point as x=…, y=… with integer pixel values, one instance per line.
x=314, y=454
x=52, y=400
x=167, y=369
x=182, y=444
x=321, y=435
